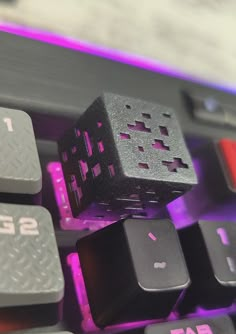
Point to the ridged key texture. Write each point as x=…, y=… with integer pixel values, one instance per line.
x=20, y=170
x=125, y=156
x=30, y=269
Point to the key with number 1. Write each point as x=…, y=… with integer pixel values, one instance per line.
x=20, y=171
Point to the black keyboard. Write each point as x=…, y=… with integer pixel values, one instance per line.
x=117, y=197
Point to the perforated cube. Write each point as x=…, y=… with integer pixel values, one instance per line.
x=124, y=157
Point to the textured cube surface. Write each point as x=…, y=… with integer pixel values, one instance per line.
x=125, y=156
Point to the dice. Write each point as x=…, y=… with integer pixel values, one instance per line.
x=124, y=157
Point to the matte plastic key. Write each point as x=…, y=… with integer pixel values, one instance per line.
x=20, y=170
x=30, y=269
x=218, y=325
x=133, y=270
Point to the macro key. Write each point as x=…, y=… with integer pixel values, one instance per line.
x=30, y=268
x=133, y=270
x=20, y=170
x=210, y=251
x=217, y=325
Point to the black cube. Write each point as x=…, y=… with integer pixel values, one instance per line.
x=125, y=157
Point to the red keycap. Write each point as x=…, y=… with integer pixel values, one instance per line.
x=228, y=152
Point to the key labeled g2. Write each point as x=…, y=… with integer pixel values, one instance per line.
x=24, y=226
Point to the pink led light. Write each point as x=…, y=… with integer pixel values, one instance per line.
x=88, y=143
x=223, y=236
x=67, y=221
x=107, y=53
x=83, y=169
x=201, y=312
x=87, y=322
x=104, y=52
x=100, y=146
x=96, y=170
x=152, y=236
x=77, y=132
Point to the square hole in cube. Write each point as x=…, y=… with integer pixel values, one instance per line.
x=164, y=130
x=88, y=143
x=147, y=116
x=100, y=146
x=83, y=169
x=143, y=165
x=96, y=170
x=139, y=126
x=124, y=136
x=140, y=148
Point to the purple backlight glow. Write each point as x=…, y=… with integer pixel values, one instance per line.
x=104, y=52
x=67, y=221
x=203, y=313
x=181, y=218
x=87, y=322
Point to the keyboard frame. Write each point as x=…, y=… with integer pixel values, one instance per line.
x=49, y=81
x=55, y=85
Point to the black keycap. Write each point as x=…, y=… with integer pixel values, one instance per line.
x=210, y=251
x=125, y=157
x=219, y=325
x=216, y=186
x=133, y=270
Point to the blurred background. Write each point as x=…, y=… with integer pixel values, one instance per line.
x=195, y=36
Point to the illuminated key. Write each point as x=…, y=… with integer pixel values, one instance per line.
x=133, y=270
x=219, y=325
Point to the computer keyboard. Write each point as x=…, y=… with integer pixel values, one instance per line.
x=109, y=222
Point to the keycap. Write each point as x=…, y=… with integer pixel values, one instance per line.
x=31, y=272
x=209, y=248
x=217, y=325
x=126, y=157
x=20, y=171
x=215, y=167
x=227, y=151
x=132, y=269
